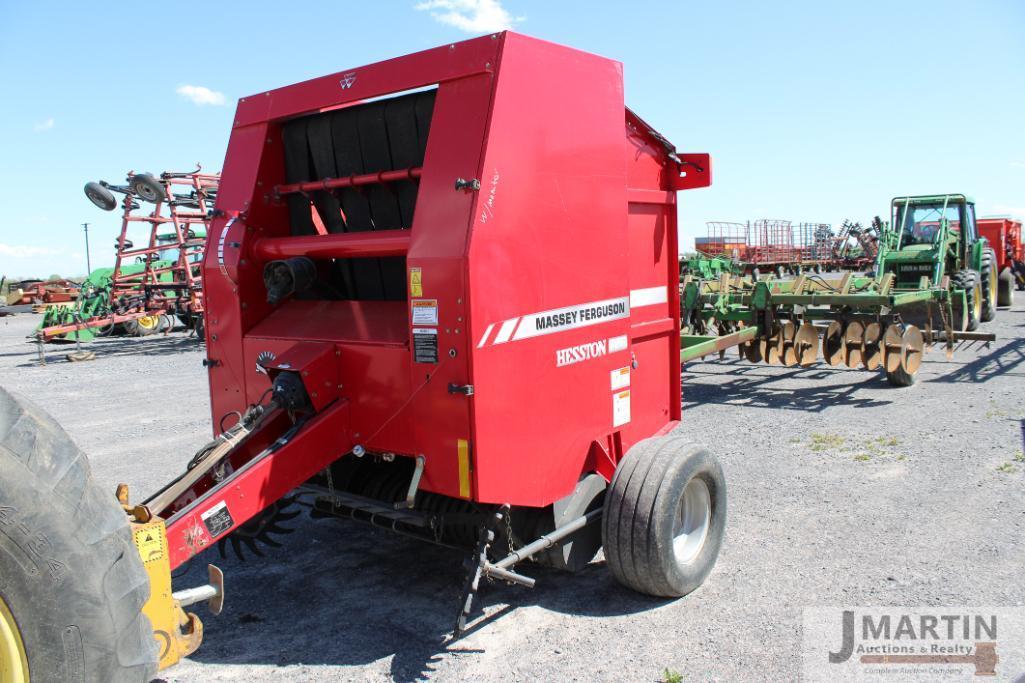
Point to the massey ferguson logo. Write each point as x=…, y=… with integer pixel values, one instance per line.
x=347, y=80
x=263, y=360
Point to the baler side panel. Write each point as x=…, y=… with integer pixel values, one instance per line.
x=549, y=232
x=441, y=419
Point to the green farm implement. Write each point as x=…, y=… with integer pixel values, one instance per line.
x=933, y=282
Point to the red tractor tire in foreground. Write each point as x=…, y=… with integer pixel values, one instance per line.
x=664, y=517
x=73, y=585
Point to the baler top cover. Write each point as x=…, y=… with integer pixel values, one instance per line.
x=495, y=250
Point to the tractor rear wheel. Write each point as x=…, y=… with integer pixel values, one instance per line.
x=72, y=585
x=988, y=281
x=1005, y=288
x=664, y=517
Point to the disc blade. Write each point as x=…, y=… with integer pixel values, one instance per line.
x=806, y=342
x=833, y=343
x=893, y=348
x=872, y=356
x=914, y=345
x=854, y=340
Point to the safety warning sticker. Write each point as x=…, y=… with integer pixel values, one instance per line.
x=620, y=378
x=416, y=283
x=148, y=541
x=425, y=311
x=217, y=519
x=620, y=408
x=425, y=345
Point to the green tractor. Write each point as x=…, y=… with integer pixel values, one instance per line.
x=932, y=240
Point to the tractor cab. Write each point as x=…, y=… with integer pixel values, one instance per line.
x=929, y=236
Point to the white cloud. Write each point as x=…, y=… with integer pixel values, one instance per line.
x=14, y=251
x=1016, y=164
x=43, y=125
x=198, y=94
x=472, y=16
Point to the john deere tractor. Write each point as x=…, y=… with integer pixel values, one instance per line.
x=932, y=241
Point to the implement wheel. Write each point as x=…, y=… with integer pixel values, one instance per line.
x=72, y=585
x=1005, y=288
x=988, y=281
x=664, y=517
x=144, y=326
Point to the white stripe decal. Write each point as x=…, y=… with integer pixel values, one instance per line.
x=572, y=317
x=487, y=333
x=506, y=330
x=648, y=296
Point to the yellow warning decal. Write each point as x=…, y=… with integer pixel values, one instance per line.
x=149, y=541
x=416, y=283
x=463, y=453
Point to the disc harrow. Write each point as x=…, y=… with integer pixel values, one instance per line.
x=857, y=322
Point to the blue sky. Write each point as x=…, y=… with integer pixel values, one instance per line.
x=813, y=111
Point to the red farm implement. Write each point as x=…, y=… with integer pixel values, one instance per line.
x=403, y=323
x=1004, y=235
x=158, y=278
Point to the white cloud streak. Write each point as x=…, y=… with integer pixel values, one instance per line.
x=1012, y=210
x=200, y=95
x=43, y=126
x=471, y=16
x=16, y=251
x=1016, y=164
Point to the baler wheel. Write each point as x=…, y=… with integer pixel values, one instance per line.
x=73, y=583
x=100, y=196
x=144, y=326
x=988, y=282
x=833, y=344
x=664, y=517
x=1005, y=288
x=148, y=188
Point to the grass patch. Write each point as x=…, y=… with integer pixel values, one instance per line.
x=825, y=442
x=1020, y=457
x=670, y=676
x=863, y=457
x=1007, y=468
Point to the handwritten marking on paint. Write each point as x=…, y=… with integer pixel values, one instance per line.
x=488, y=210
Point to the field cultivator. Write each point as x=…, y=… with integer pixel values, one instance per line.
x=151, y=282
x=782, y=247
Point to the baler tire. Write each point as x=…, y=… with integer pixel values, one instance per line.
x=72, y=578
x=1005, y=288
x=641, y=509
x=100, y=196
x=988, y=281
x=901, y=378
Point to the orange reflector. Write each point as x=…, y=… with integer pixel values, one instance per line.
x=463, y=452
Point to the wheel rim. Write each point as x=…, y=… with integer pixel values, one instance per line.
x=13, y=660
x=149, y=322
x=693, y=517
x=977, y=304
x=992, y=289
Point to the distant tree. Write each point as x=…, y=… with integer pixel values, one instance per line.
x=54, y=277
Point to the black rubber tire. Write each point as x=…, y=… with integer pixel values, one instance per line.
x=640, y=508
x=70, y=574
x=968, y=280
x=987, y=280
x=200, y=327
x=900, y=378
x=1005, y=288
x=148, y=188
x=100, y=196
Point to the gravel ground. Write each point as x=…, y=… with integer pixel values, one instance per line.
x=843, y=491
